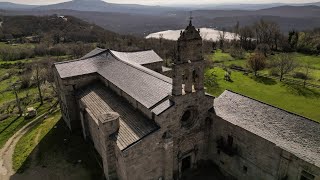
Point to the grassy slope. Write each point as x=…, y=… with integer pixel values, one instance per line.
x=29, y=141
x=58, y=151
x=11, y=125
x=303, y=101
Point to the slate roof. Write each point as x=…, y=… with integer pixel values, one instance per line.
x=289, y=131
x=144, y=85
x=94, y=52
x=133, y=125
x=142, y=57
x=162, y=107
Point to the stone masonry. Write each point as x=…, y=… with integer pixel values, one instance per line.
x=145, y=125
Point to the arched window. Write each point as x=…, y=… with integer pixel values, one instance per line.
x=208, y=122
x=185, y=75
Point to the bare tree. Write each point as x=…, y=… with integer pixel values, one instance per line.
x=306, y=68
x=222, y=38
x=160, y=38
x=14, y=88
x=246, y=36
x=38, y=79
x=263, y=49
x=267, y=32
x=256, y=62
x=39, y=74
x=283, y=64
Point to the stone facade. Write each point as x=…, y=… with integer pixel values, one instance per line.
x=174, y=133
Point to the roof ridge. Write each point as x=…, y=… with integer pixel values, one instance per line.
x=133, y=51
x=143, y=69
x=80, y=59
x=93, y=55
x=73, y=60
x=292, y=113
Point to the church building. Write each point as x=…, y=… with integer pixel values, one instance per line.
x=146, y=125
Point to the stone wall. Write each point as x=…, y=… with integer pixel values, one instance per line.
x=156, y=66
x=67, y=97
x=143, y=160
x=99, y=131
x=251, y=156
x=186, y=141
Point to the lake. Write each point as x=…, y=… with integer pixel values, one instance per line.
x=206, y=33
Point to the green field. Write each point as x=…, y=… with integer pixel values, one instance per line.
x=12, y=124
x=31, y=139
x=224, y=59
x=10, y=73
x=41, y=146
x=297, y=99
x=51, y=147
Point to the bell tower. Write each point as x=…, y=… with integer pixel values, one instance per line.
x=188, y=66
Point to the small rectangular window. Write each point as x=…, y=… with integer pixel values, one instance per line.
x=230, y=140
x=306, y=176
x=245, y=169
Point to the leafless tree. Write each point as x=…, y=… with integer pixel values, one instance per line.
x=222, y=38
x=306, y=69
x=263, y=49
x=256, y=62
x=160, y=38
x=246, y=36
x=38, y=81
x=283, y=64
x=267, y=32
x=14, y=89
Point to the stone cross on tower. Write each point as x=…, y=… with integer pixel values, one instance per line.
x=188, y=67
x=190, y=19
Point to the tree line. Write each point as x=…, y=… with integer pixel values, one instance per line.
x=266, y=35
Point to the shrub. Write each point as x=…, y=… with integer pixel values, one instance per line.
x=256, y=62
x=41, y=50
x=300, y=75
x=25, y=80
x=264, y=49
x=16, y=53
x=237, y=53
x=58, y=50
x=273, y=72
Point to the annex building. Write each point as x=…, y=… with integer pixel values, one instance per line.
x=146, y=125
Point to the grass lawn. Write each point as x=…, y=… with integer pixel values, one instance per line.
x=25, y=45
x=61, y=153
x=10, y=96
x=11, y=125
x=302, y=101
x=31, y=139
x=225, y=59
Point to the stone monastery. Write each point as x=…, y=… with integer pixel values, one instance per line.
x=146, y=125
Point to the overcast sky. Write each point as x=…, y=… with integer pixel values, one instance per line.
x=165, y=2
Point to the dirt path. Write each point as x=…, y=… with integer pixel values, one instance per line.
x=7, y=151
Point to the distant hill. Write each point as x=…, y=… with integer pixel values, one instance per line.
x=234, y=6
x=288, y=17
x=67, y=28
x=281, y=11
x=102, y=6
x=292, y=11
x=9, y=5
